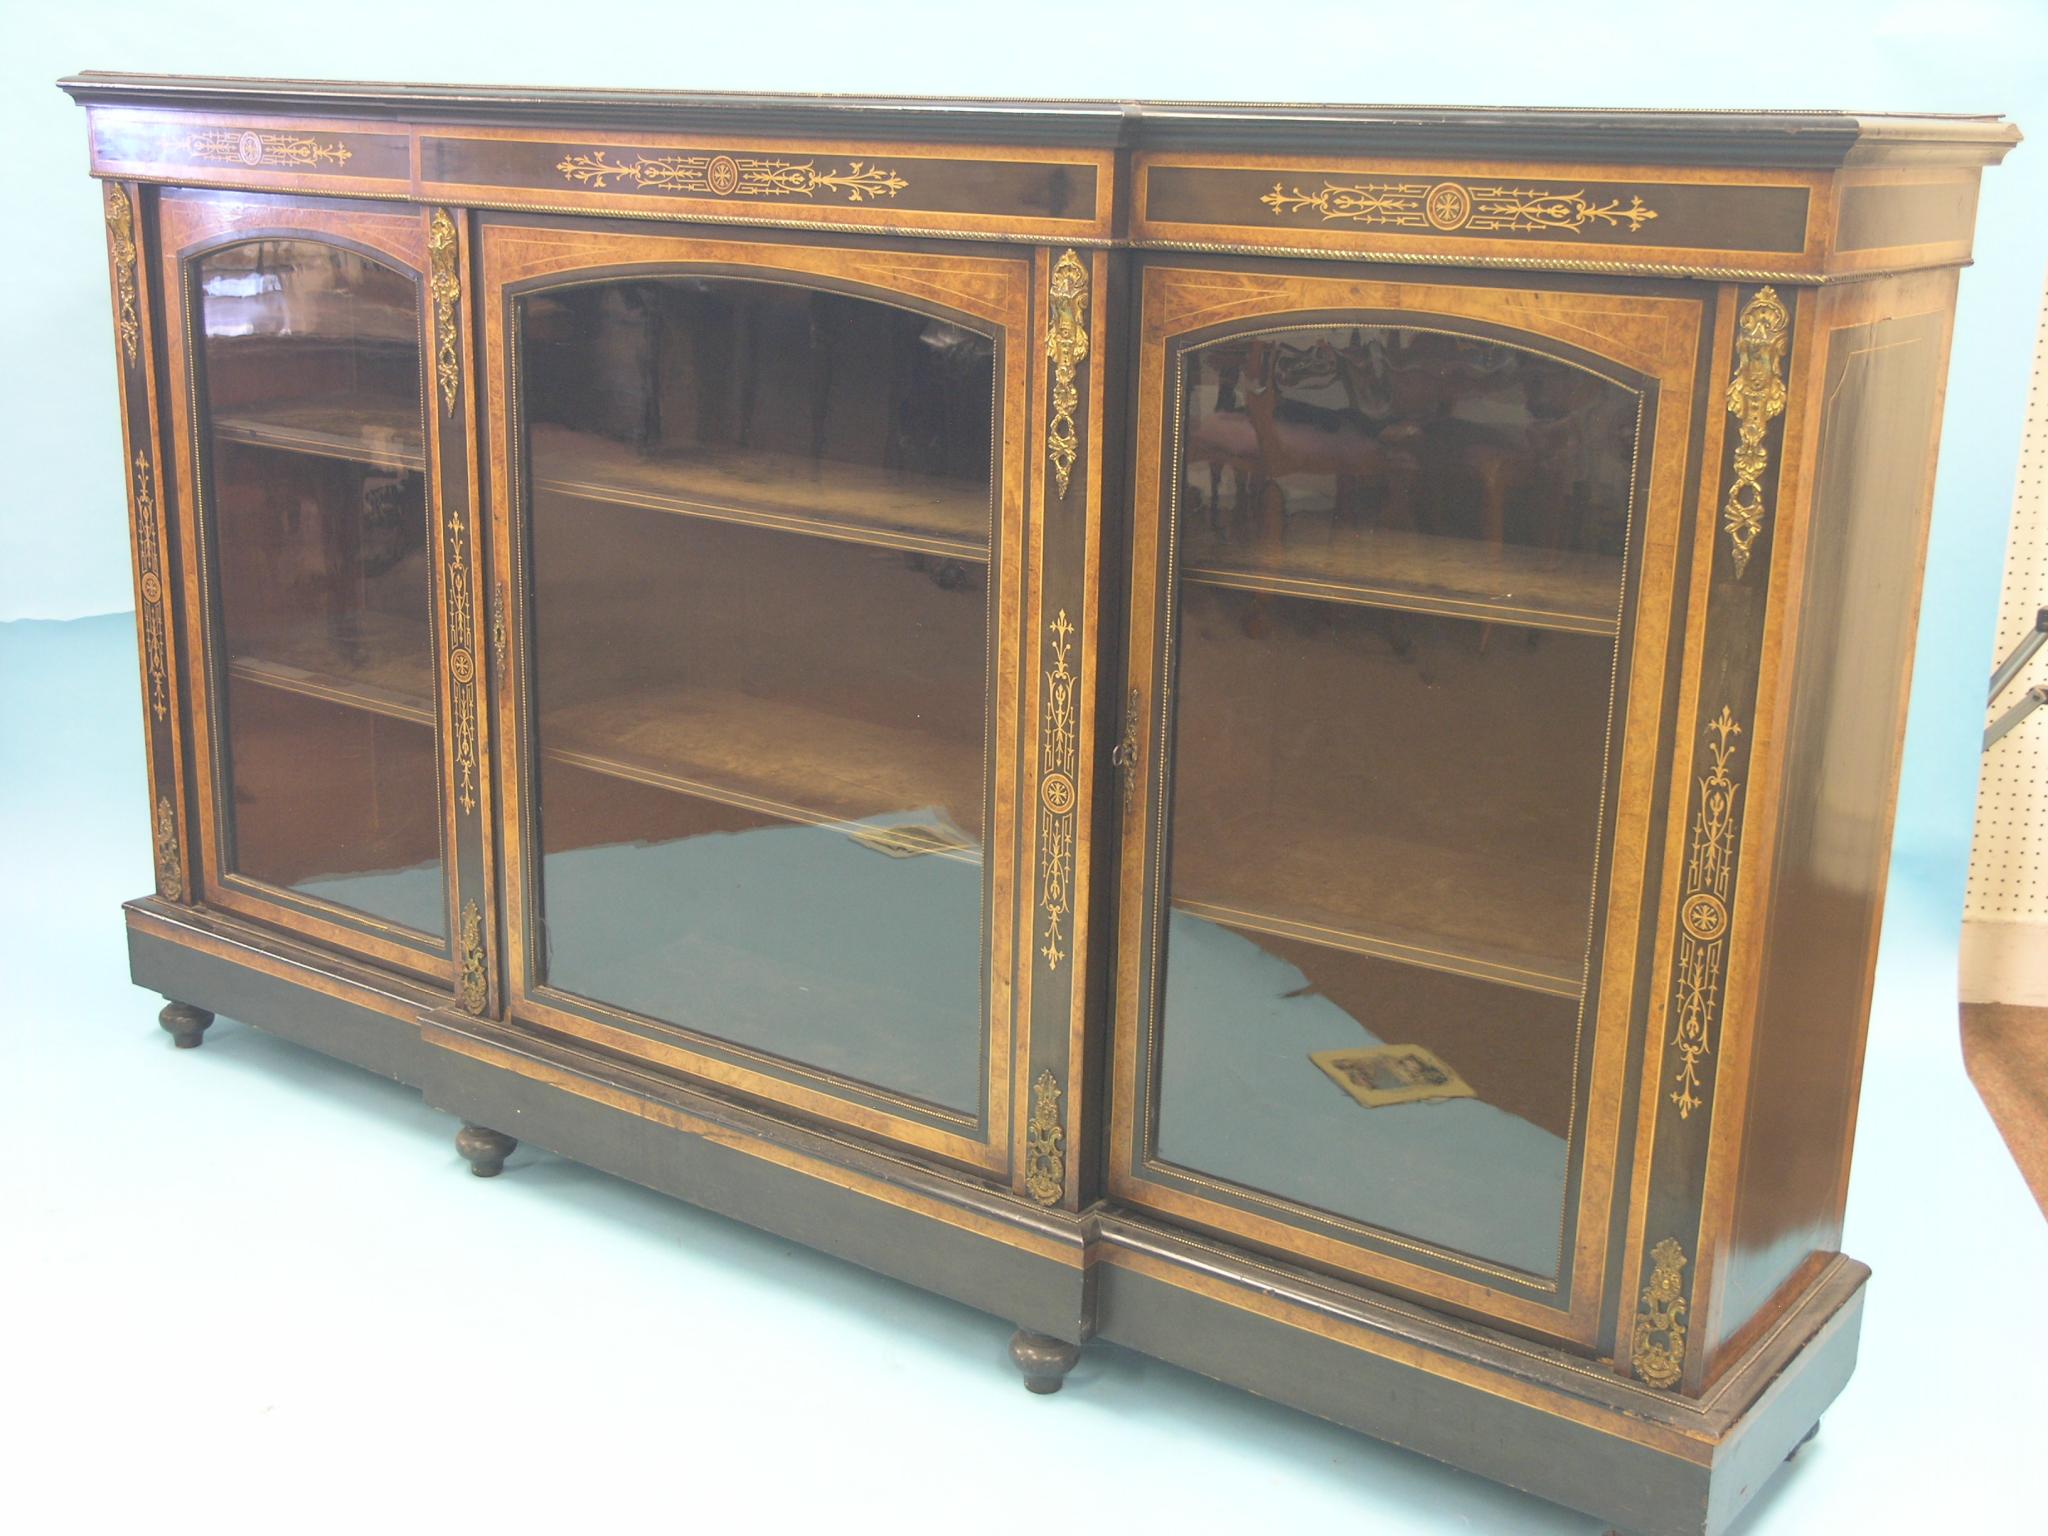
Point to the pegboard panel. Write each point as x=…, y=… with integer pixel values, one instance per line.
x=2009, y=857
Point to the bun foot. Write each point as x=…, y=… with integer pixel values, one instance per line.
x=486, y=1149
x=1044, y=1361
x=1804, y=1441
x=185, y=1024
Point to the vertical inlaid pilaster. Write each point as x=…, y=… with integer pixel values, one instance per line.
x=1063, y=558
x=149, y=533
x=1727, y=647
x=467, y=646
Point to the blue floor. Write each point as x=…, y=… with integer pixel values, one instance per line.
x=250, y=1289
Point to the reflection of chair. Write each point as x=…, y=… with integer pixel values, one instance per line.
x=1502, y=437
x=1317, y=441
x=1419, y=377
x=1224, y=440
x=1270, y=436
x=1482, y=475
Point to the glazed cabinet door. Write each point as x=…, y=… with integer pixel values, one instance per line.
x=315, y=361
x=760, y=507
x=1400, y=613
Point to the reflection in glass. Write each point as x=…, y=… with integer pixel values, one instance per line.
x=761, y=520
x=1398, y=593
x=315, y=466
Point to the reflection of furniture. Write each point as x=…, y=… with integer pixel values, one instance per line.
x=1356, y=457
x=783, y=713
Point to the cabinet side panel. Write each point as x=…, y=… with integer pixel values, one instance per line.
x=1884, y=362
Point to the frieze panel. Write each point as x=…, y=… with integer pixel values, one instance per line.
x=1548, y=216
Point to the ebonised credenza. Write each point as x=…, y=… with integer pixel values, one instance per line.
x=1265, y=732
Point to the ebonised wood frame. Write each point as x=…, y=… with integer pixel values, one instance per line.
x=1780, y=286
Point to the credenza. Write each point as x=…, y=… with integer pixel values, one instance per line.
x=1264, y=732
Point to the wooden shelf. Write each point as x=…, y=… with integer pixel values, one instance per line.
x=786, y=760
x=386, y=670
x=1440, y=808
x=822, y=497
x=356, y=430
x=1412, y=902
x=1418, y=949
x=1421, y=573
x=789, y=761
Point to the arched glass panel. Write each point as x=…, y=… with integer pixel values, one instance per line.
x=761, y=524
x=313, y=475
x=1398, y=579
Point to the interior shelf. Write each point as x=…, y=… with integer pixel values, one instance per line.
x=1420, y=573
x=782, y=759
x=1379, y=895
x=896, y=509
x=785, y=760
x=827, y=498
x=383, y=667
x=1418, y=949
x=358, y=430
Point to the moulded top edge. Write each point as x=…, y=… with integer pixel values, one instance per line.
x=1814, y=139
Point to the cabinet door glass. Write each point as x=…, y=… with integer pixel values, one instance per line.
x=760, y=521
x=308, y=366
x=1398, y=575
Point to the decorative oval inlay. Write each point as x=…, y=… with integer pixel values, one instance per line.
x=1704, y=916
x=1058, y=793
x=1449, y=206
x=1060, y=761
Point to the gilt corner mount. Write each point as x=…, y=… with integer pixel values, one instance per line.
x=121, y=237
x=1657, y=1344
x=445, y=285
x=1045, y=1166
x=1756, y=395
x=1066, y=346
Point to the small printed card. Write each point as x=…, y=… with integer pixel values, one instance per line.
x=1392, y=1074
